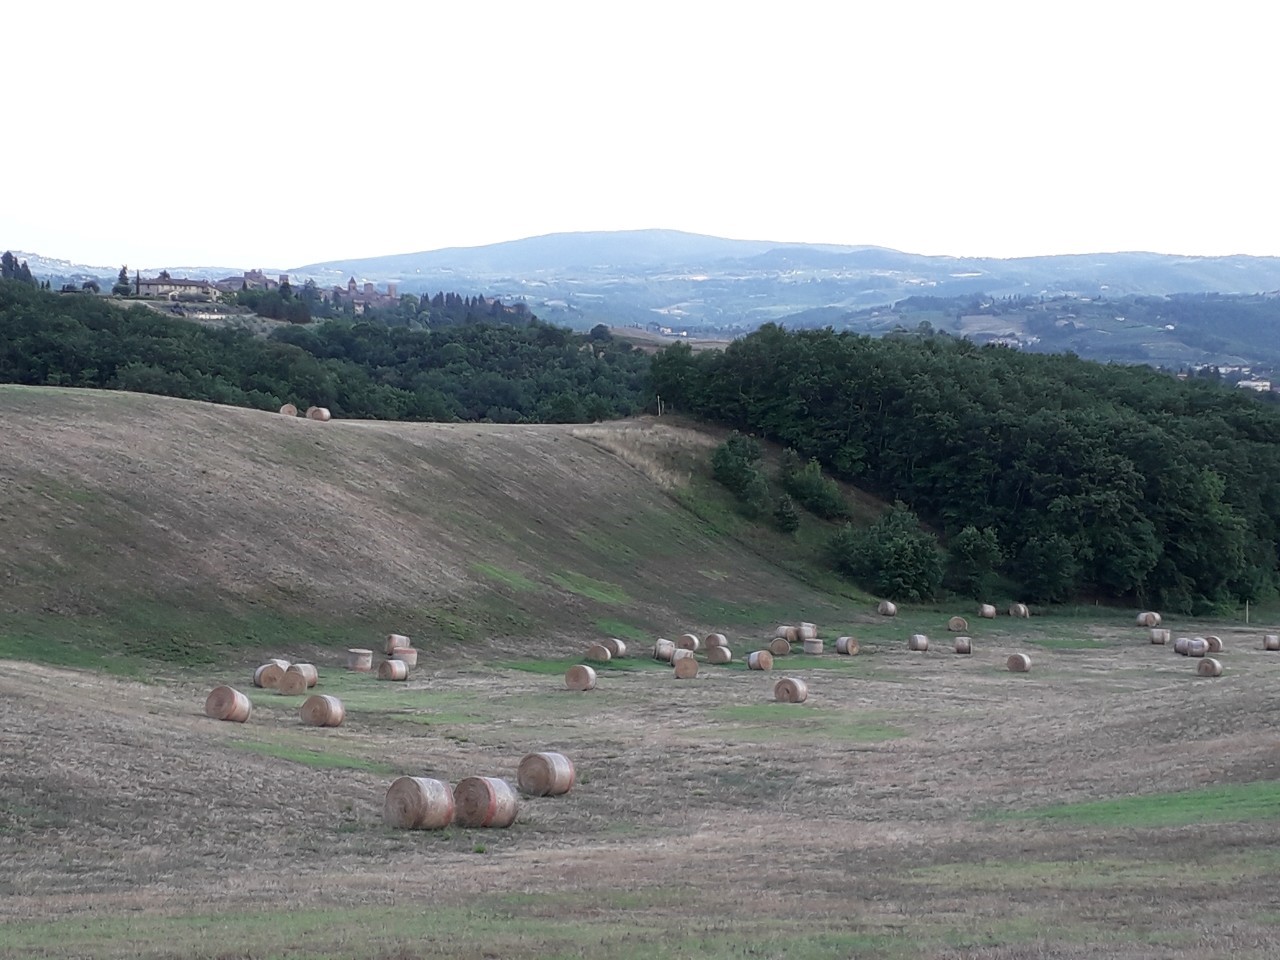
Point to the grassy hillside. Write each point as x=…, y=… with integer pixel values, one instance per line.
x=145, y=527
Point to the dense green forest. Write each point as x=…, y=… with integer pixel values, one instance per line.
x=1110, y=481
x=512, y=369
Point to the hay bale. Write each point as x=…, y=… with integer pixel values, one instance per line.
x=227, y=703
x=1215, y=644
x=289, y=410
x=545, y=775
x=719, y=654
x=783, y=631
x=715, y=640
x=359, y=660
x=615, y=647
x=292, y=684
x=580, y=677
x=688, y=641
x=986, y=611
x=1019, y=610
x=322, y=710
x=393, y=670
x=1019, y=663
x=791, y=690
x=663, y=649
x=318, y=413
x=679, y=654
x=760, y=660
x=779, y=647
x=1180, y=645
x=1271, y=641
x=808, y=631
x=686, y=668
x=418, y=803
x=964, y=645
x=886, y=609
x=308, y=671
x=813, y=646
x=485, y=802
x=918, y=641
x=1209, y=667
x=406, y=655
x=268, y=675
x=1149, y=618
x=395, y=641
x=1198, y=647
x=1160, y=635
x=599, y=653
x=847, y=646
x=957, y=624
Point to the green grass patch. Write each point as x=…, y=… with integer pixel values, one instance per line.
x=623, y=631
x=1228, y=803
x=591, y=589
x=771, y=722
x=311, y=757
x=510, y=578
x=558, y=667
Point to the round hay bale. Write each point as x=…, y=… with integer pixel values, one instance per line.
x=322, y=710
x=485, y=802
x=783, y=632
x=719, y=654
x=1019, y=610
x=1209, y=667
x=663, y=649
x=268, y=675
x=1159, y=635
x=394, y=642
x=964, y=645
x=792, y=635
x=1019, y=663
x=289, y=410
x=957, y=624
x=808, y=631
x=715, y=640
x=580, y=677
x=1271, y=641
x=813, y=646
x=406, y=655
x=418, y=803
x=686, y=668
x=227, y=703
x=1215, y=644
x=545, y=775
x=318, y=413
x=393, y=670
x=791, y=690
x=1198, y=647
x=986, y=611
x=615, y=647
x=847, y=646
x=688, y=641
x=681, y=654
x=1180, y=645
x=779, y=647
x=599, y=653
x=760, y=660
x=918, y=641
x=292, y=684
x=1149, y=618
x=886, y=609
x=308, y=671
x=359, y=660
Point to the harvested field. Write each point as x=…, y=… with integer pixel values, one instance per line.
x=969, y=800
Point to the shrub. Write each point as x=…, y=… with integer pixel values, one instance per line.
x=894, y=557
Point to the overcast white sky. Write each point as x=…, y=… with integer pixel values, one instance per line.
x=278, y=134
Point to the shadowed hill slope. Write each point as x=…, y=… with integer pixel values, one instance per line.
x=180, y=530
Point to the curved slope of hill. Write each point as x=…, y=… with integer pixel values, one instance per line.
x=184, y=530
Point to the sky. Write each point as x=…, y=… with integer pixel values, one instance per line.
x=278, y=134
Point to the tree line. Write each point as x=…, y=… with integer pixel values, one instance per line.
x=1071, y=478
x=524, y=371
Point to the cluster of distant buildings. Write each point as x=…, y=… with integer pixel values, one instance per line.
x=165, y=287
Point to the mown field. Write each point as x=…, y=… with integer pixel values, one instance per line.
x=1108, y=804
